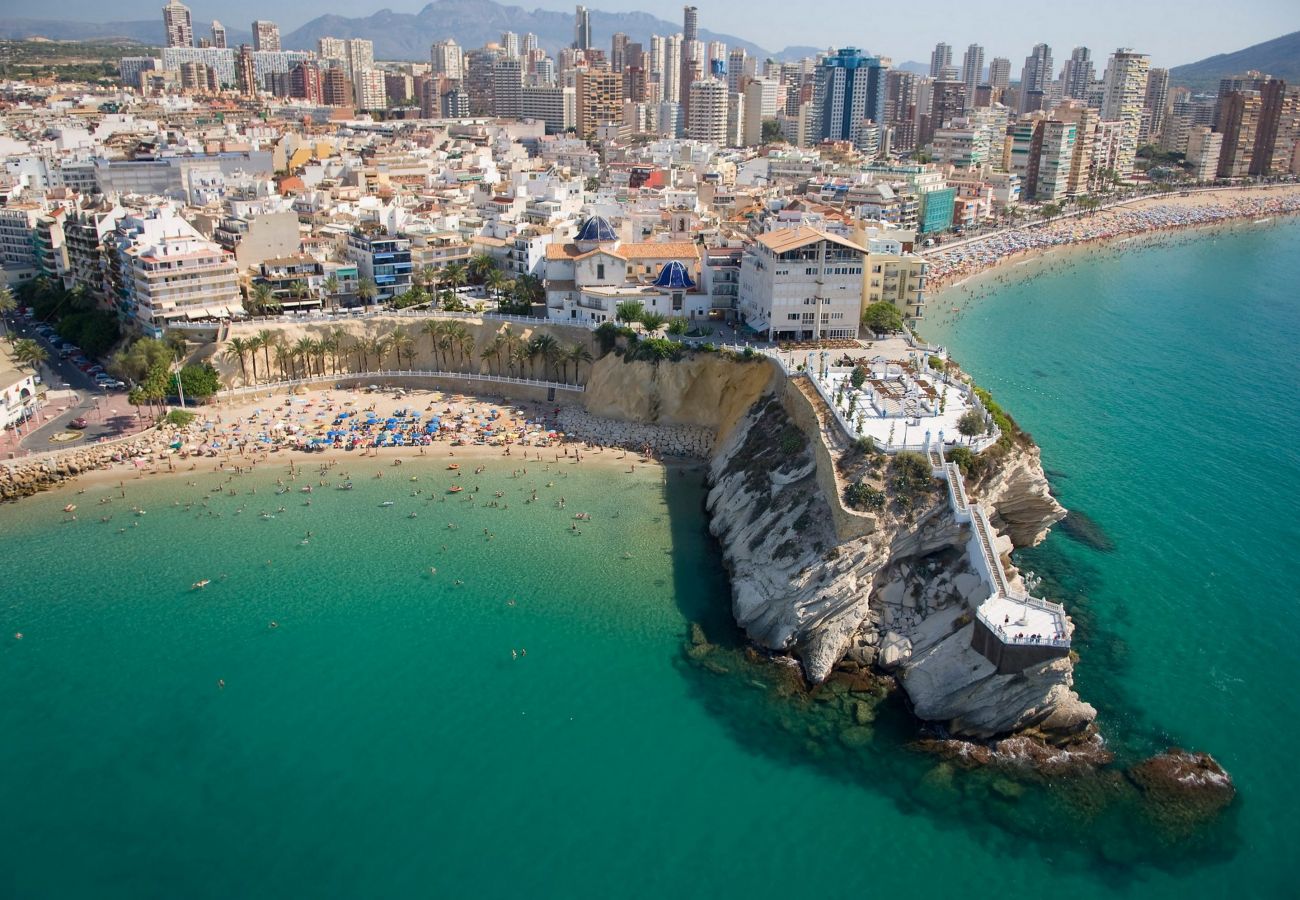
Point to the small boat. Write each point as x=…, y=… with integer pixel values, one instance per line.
x=455, y=489
x=71, y=507
x=453, y=466
x=345, y=486
x=387, y=503
x=200, y=584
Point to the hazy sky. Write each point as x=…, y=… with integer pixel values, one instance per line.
x=1171, y=32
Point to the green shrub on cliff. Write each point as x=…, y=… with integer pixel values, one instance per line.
x=863, y=496
x=910, y=472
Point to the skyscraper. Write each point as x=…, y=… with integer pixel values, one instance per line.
x=1078, y=74
x=690, y=24
x=1125, y=91
x=218, y=35
x=361, y=54
x=1000, y=73
x=1157, y=100
x=972, y=69
x=178, y=24
x=581, y=29
x=940, y=58
x=510, y=43
x=708, y=103
x=848, y=89
x=266, y=36
x=618, y=51
x=1036, y=74
x=446, y=59
x=599, y=99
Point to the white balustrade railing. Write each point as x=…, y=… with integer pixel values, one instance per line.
x=396, y=373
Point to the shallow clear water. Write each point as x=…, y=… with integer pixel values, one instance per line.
x=1161, y=382
x=382, y=741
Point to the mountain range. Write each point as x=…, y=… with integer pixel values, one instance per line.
x=1279, y=57
x=407, y=36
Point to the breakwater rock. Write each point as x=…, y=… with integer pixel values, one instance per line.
x=24, y=477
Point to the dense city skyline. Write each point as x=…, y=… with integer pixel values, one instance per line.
x=893, y=31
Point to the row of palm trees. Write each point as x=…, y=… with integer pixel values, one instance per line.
x=267, y=356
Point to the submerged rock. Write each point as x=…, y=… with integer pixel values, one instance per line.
x=1183, y=790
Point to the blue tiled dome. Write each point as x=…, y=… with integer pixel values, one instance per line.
x=597, y=230
x=674, y=276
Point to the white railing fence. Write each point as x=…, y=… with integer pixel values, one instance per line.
x=388, y=374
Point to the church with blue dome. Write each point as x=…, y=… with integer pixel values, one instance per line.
x=587, y=278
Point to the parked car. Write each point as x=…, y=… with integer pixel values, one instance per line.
x=78, y=422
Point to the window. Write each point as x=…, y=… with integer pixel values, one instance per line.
x=677, y=301
x=600, y=271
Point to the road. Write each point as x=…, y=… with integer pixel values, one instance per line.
x=107, y=412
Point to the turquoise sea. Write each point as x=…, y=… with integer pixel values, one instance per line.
x=382, y=740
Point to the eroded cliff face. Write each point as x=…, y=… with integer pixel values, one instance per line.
x=704, y=389
x=899, y=597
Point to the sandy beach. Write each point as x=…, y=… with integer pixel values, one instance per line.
x=1155, y=215
x=381, y=430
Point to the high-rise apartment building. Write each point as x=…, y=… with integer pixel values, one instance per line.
x=178, y=24
x=761, y=96
x=333, y=51
x=1156, y=102
x=447, y=60
x=581, y=29
x=361, y=54
x=599, y=99
x=708, y=103
x=999, y=73
x=690, y=23
x=218, y=35
x=510, y=43
x=671, y=73
x=336, y=87
x=508, y=87
x=1125, y=92
x=307, y=82
x=370, y=88
x=947, y=102
x=848, y=89
x=480, y=66
x=1035, y=75
x=940, y=59
x=266, y=36
x=618, y=51
x=1204, y=146
x=1078, y=74
x=972, y=69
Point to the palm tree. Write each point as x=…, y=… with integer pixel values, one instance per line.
x=237, y=348
x=467, y=343
x=305, y=349
x=298, y=289
x=284, y=358
x=446, y=341
x=453, y=276
x=434, y=329
x=577, y=354
x=496, y=282
x=481, y=265
x=362, y=347
x=495, y=348
x=383, y=346
x=518, y=355
x=338, y=337
x=266, y=339
x=7, y=305
x=29, y=353
x=261, y=299
x=548, y=349
x=329, y=287
x=367, y=291
x=403, y=344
